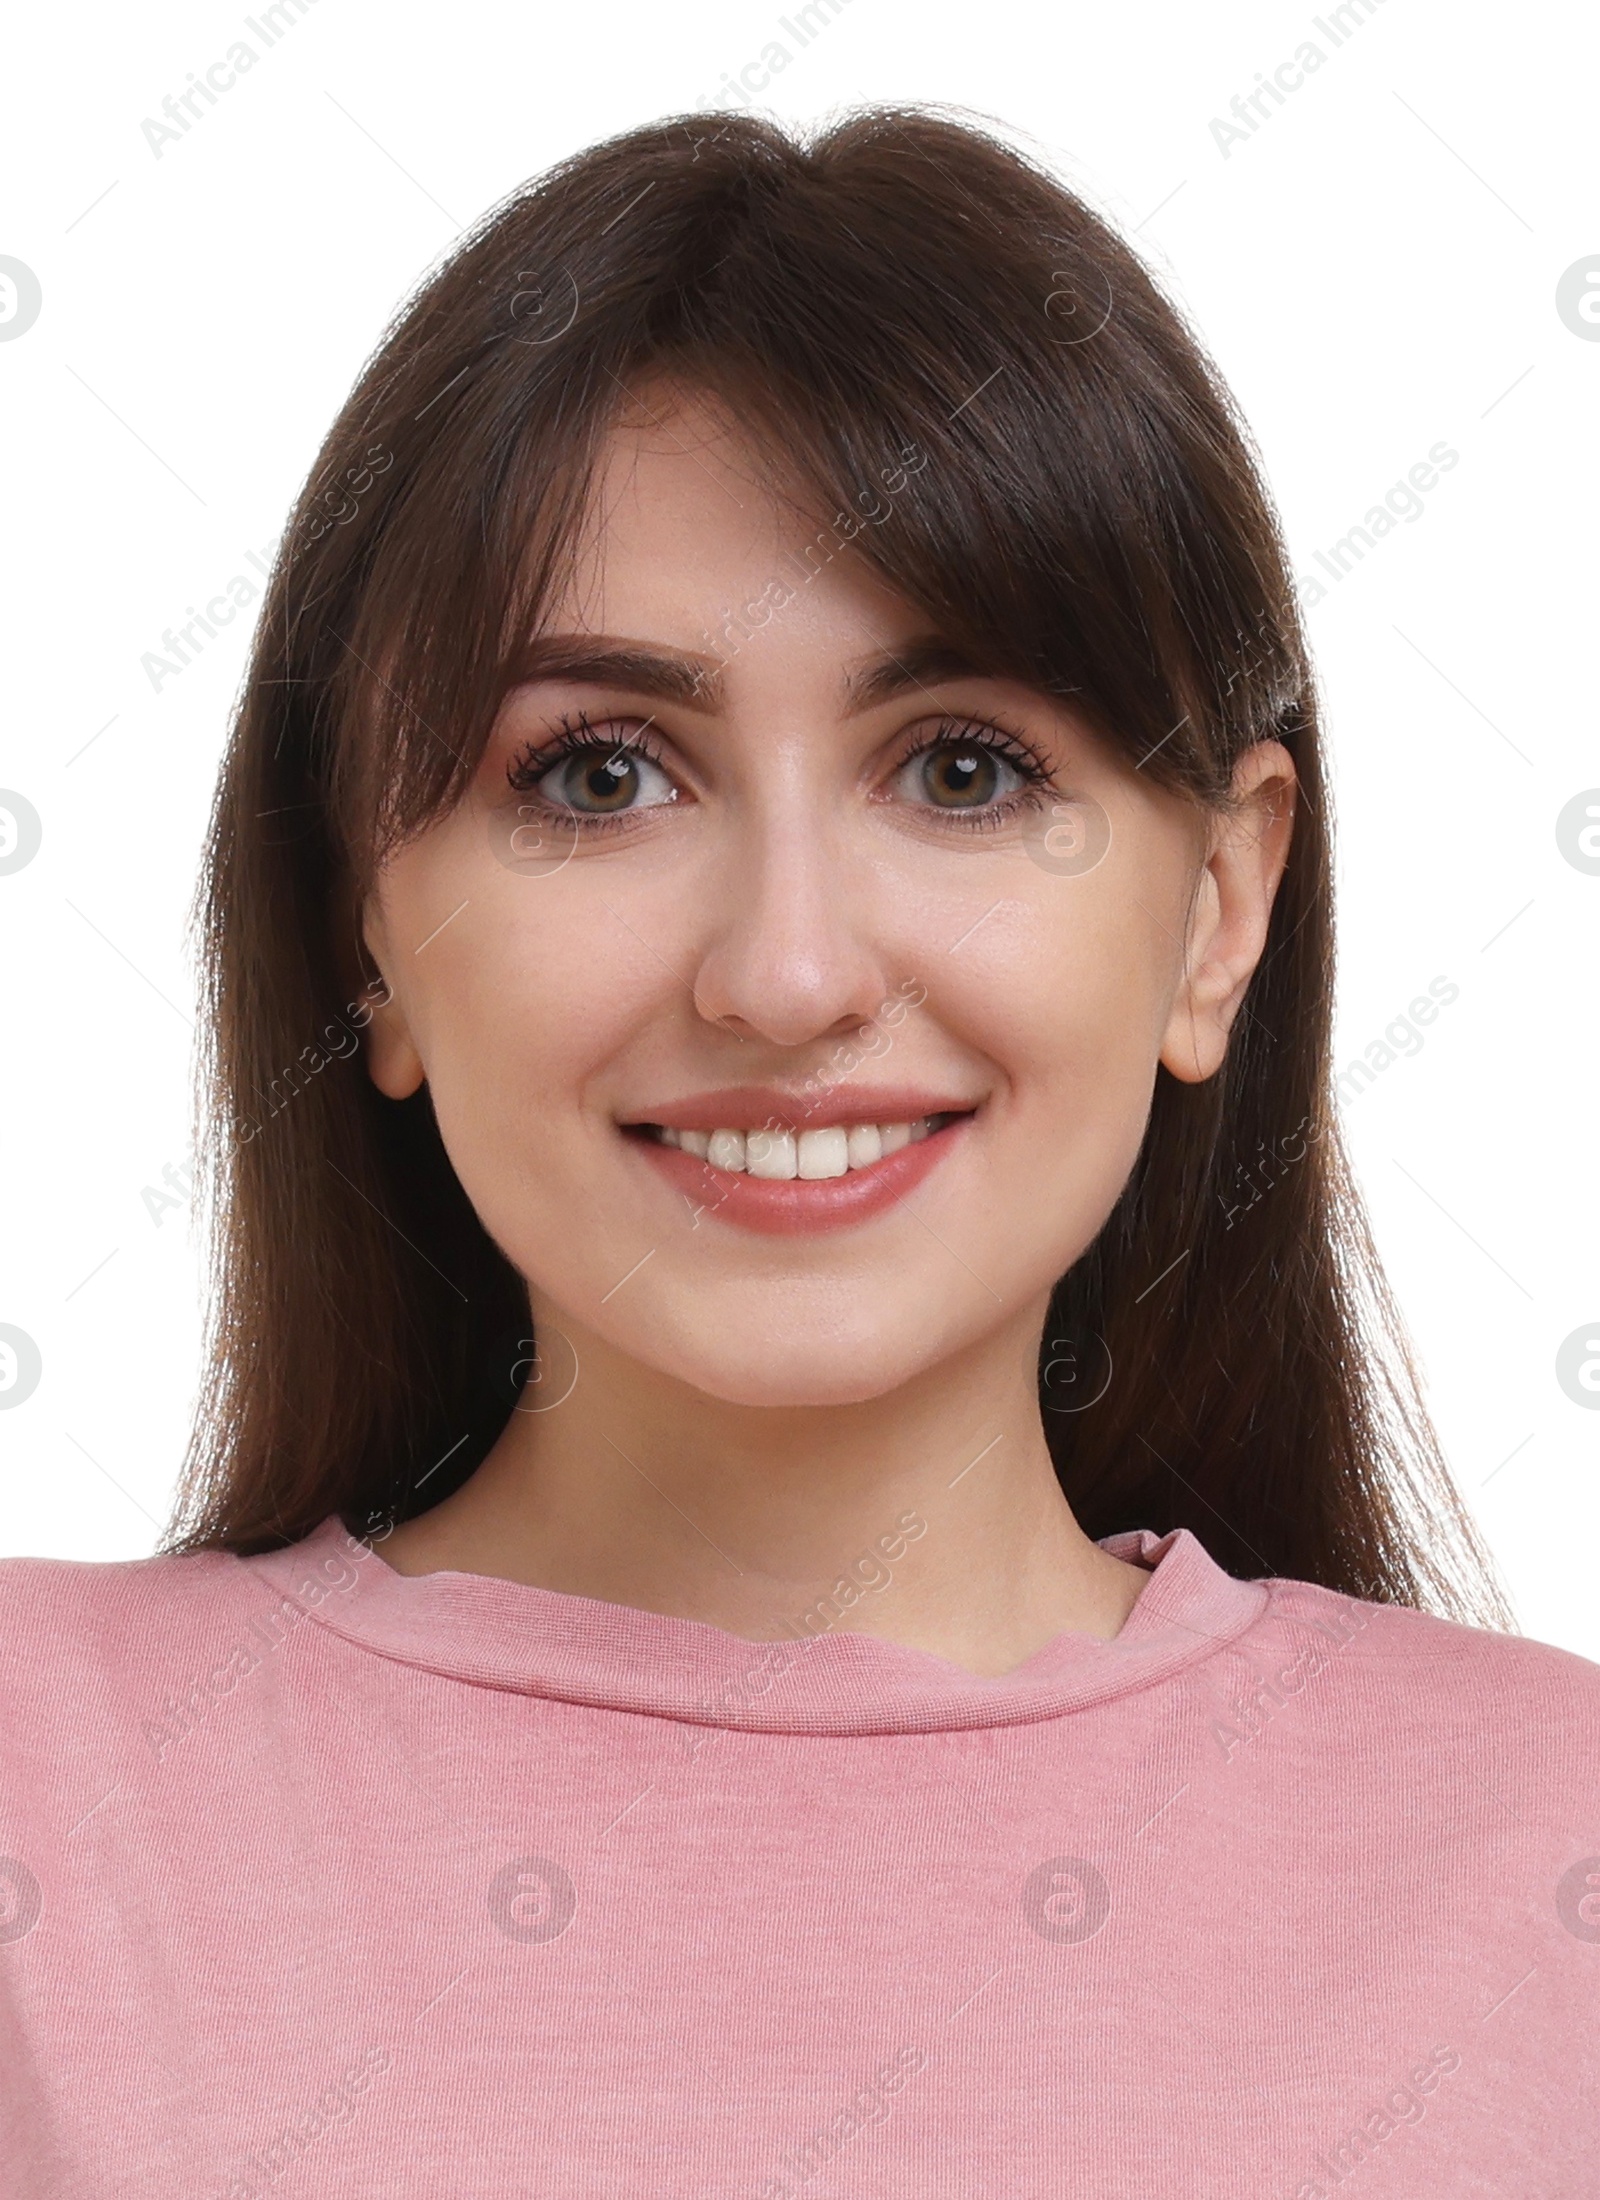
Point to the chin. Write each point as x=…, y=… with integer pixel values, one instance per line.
x=785, y=1364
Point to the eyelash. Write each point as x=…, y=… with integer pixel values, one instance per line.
x=576, y=736
x=1021, y=755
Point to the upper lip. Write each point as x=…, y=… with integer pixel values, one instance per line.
x=770, y=1107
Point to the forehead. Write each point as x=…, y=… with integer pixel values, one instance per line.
x=689, y=526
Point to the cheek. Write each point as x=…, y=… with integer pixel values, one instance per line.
x=1072, y=990
x=526, y=997
x=1069, y=996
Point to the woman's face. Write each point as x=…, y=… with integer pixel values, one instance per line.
x=813, y=900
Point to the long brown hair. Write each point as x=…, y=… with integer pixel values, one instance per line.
x=902, y=298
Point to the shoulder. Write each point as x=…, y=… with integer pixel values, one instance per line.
x=1426, y=1686
x=83, y=1636
x=82, y=1598
x=151, y=1644
x=98, y=1655
x=1435, y=1653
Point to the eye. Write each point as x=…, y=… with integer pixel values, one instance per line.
x=604, y=778
x=974, y=768
x=592, y=774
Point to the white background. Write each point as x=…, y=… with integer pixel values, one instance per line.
x=1374, y=270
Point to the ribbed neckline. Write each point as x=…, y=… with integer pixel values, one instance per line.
x=543, y=1642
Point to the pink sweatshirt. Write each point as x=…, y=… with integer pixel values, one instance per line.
x=322, y=1879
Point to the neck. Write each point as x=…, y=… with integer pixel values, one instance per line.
x=930, y=1517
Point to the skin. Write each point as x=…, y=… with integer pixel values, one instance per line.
x=721, y=1434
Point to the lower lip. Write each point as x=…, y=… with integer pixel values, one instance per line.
x=790, y=1206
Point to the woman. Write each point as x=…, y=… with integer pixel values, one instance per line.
x=807, y=1558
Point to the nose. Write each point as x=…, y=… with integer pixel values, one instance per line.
x=792, y=952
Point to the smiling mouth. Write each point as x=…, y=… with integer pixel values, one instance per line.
x=809, y=1156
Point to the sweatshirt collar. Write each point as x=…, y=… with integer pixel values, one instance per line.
x=543, y=1642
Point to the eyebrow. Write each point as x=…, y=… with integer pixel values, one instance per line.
x=686, y=678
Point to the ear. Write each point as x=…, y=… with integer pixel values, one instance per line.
x=393, y=1062
x=1231, y=910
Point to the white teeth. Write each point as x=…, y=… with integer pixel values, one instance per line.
x=769, y=1153
x=824, y=1153
x=811, y=1155
x=864, y=1145
x=725, y=1150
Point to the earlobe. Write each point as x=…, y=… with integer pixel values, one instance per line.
x=1196, y=1037
x=1232, y=910
x=393, y=1063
